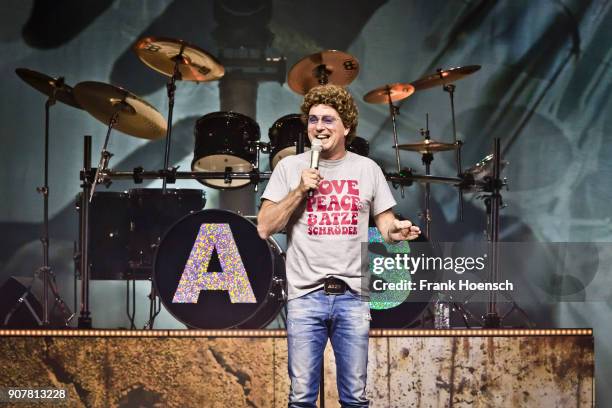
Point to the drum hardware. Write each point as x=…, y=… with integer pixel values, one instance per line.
x=446, y=79
x=119, y=109
x=254, y=176
x=493, y=203
x=56, y=90
x=130, y=302
x=257, y=147
x=324, y=67
x=390, y=93
x=85, y=320
x=181, y=62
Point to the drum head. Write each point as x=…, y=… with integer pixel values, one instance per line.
x=219, y=162
x=212, y=271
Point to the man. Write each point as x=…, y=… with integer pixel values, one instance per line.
x=325, y=232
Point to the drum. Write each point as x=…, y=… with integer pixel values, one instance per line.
x=359, y=146
x=225, y=141
x=398, y=308
x=212, y=271
x=109, y=235
x=151, y=214
x=126, y=227
x=284, y=135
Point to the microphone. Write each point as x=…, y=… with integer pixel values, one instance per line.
x=315, y=151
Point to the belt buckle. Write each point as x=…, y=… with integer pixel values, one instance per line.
x=334, y=286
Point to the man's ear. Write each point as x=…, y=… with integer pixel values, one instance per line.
x=346, y=131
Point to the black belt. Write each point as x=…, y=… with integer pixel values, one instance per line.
x=333, y=286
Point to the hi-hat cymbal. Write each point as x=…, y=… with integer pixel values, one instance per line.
x=398, y=91
x=325, y=67
x=48, y=85
x=444, y=76
x=428, y=146
x=136, y=117
x=195, y=64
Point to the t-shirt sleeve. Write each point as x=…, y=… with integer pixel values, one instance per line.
x=278, y=186
x=383, y=199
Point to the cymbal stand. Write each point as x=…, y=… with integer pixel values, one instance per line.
x=394, y=111
x=48, y=277
x=171, y=88
x=427, y=158
x=84, y=321
x=105, y=155
x=450, y=88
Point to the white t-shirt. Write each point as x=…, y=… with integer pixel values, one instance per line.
x=325, y=233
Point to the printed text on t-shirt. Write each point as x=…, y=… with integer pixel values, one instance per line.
x=334, y=208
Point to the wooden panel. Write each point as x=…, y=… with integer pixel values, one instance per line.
x=179, y=369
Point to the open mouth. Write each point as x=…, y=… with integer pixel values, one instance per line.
x=322, y=137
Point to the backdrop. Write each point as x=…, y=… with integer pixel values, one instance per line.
x=543, y=89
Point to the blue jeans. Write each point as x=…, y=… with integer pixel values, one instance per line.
x=311, y=320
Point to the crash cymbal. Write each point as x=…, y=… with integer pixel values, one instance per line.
x=47, y=85
x=136, y=117
x=195, y=64
x=444, y=76
x=397, y=90
x=428, y=146
x=325, y=67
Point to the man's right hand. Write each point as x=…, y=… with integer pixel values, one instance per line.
x=310, y=180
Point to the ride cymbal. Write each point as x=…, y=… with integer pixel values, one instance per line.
x=444, y=76
x=194, y=64
x=325, y=67
x=48, y=85
x=428, y=146
x=398, y=91
x=135, y=116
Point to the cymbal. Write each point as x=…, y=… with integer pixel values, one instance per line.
x=427, y=146
x=195, y=64
x=444, y=76
x=47, y=85
x=136, y=116
x=325, y=67
x=397, y=90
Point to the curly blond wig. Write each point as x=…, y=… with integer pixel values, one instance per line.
x=338, y=98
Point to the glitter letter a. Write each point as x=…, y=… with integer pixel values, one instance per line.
x=196, y=277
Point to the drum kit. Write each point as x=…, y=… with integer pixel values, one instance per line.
x=163, y=234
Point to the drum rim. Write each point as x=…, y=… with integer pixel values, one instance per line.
x=155, y=267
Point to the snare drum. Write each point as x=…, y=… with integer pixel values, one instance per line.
x=212, y=271
x=284, y=135
x=225, y=141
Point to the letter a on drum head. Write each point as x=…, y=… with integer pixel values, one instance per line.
x=196, y=277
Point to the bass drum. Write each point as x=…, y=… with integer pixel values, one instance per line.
x=212, y=271
x=399, y=308
x=225, y=140
x=284, y=135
